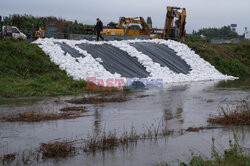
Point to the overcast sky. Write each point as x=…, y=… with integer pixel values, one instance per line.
x=200, y=13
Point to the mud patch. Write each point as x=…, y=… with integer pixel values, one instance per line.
x=74, y=109
x=36, y=116
x=143, y=96
x=196, y=129
x=210, y=101
x=107, y=94
x=98, y=100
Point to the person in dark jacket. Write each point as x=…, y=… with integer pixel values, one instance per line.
x=98, y=29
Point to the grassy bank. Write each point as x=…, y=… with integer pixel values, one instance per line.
x=26, y=71
x=231, y=59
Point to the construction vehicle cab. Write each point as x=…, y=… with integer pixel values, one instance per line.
x=128, y=26
x=40, y=33
x=112, y=29
x=13, y=33
x=175, y=23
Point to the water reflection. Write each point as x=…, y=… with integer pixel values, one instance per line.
x=174, y=106
x=97, y=121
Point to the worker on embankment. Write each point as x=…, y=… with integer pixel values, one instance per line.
x=98, y=29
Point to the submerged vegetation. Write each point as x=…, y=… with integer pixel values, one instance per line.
x=238, y=116
x=8, y=158
x=234, y=156
x=230, y=59
x=107, y=141
x=110, y=140
x=57, y=149
x=101, y=142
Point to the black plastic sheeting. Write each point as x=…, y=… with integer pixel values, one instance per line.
x=163, y=55
x=67, y=49
x=116, y=60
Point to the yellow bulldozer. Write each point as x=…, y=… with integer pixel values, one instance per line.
x=128, y=26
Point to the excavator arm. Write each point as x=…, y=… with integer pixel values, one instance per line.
x=144, y=25
x=175, y=23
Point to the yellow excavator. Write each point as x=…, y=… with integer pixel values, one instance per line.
x=175, y=23
x=125, y=27
x=174, y=27
x=40, y=33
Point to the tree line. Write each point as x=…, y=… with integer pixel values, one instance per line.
x=223, y=32
x=28, y=23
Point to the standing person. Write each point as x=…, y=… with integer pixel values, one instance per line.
x=98, y=29
x=1, y=27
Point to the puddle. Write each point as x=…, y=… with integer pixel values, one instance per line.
x=178, y=106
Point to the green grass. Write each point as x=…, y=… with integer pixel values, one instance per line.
x=233, y=156
x=26, y=71
x=230, y=59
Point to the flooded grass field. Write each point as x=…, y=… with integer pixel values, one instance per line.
x=142, y=127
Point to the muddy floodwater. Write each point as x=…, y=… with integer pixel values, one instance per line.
x=177, y=106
